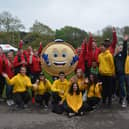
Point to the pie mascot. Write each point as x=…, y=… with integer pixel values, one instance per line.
x=59, y=56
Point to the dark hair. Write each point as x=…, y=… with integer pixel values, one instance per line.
x=95, y=79
x=42, y=74
x=61, y=73
x=71, y=89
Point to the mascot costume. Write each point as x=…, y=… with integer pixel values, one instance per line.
x=59, y=56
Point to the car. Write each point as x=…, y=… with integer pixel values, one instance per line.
x=8, y=47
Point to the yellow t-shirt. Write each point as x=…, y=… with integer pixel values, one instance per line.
x=42, y=87
x=60, y=87
x=19, y=83
x=74, y=101
x=95, y=91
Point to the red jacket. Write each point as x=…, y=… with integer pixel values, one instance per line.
x=3, y=63
x=17, y=63
x=36, y=64
x=40, y=49
x=113, y=44
x=9, y=69
x=82, y=56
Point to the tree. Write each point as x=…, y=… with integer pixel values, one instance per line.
x=38, y=27
x=8, y=23
x=107, y=32
x=72, y=35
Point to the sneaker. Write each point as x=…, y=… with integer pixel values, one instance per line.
x=124, y=105
x=9, y=102
x=81, y=113
x=25, y=106
x=71, y=114
x=12, y=102
x=45, y=107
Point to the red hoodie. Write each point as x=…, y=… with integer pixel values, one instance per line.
x=94, y=55
x=9, y=69
x=17, y=63
x=3, y=63
x=113, y=44
x=82, y=56
x=36, y=64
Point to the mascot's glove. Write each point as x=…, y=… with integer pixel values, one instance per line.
x=75, y=59
x=45, y=57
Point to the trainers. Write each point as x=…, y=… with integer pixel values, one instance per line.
x=71, y=114
x=25, y=106
x=124, y=105
x=12, y=102
x=81, y=113
x=9, y=102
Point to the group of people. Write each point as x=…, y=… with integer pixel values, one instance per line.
x=95, y=80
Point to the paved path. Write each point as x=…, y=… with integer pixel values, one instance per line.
x=114, y=118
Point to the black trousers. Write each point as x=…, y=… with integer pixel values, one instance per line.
x=69, y=110
x=93, y=101
x=21, y=98
x=2, y=84
x=107, y=89
x=55, y=103
x=43, y=98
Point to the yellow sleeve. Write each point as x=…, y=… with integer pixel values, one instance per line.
x=11, y=81
x=34, y=87
x=49, y=85
x=54, y=86
x=64, y=97
x=29, y=84
x=112, y=64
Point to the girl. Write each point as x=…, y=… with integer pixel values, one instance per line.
x=41, y=89
x=94, y=91
x=73, y=103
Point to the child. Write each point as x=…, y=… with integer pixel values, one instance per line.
x=94, y=69
x=41, y=89
x=59, y=89
x=94, y=91
x=73, y=103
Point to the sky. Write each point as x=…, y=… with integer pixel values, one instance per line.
x=89, y=15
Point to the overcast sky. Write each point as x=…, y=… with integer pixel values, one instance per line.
x=90, y=15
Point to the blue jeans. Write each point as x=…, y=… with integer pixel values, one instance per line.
x=121, y=79
x=9, y=90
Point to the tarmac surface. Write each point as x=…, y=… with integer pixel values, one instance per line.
x=37, y=118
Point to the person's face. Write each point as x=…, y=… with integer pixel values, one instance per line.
x=91, y=78
x=23, y=71
x=10, y=55
x=35, y=52
x=93, y=45
x=74, y=87
x=102, y=48
x=79, y=73
x=94, y=64
x=41, y=77
x=120, y=48
x=62, y=77
x=29, y=48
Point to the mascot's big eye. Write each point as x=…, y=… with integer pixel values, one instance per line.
x=64, y=55
x=55, y=55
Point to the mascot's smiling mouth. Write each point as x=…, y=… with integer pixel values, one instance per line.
x=59, y=63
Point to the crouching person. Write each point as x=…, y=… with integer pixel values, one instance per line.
x=73, y=103
x=94, y=92
x=20, y=82
x=59, y=89
x=41, y=89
